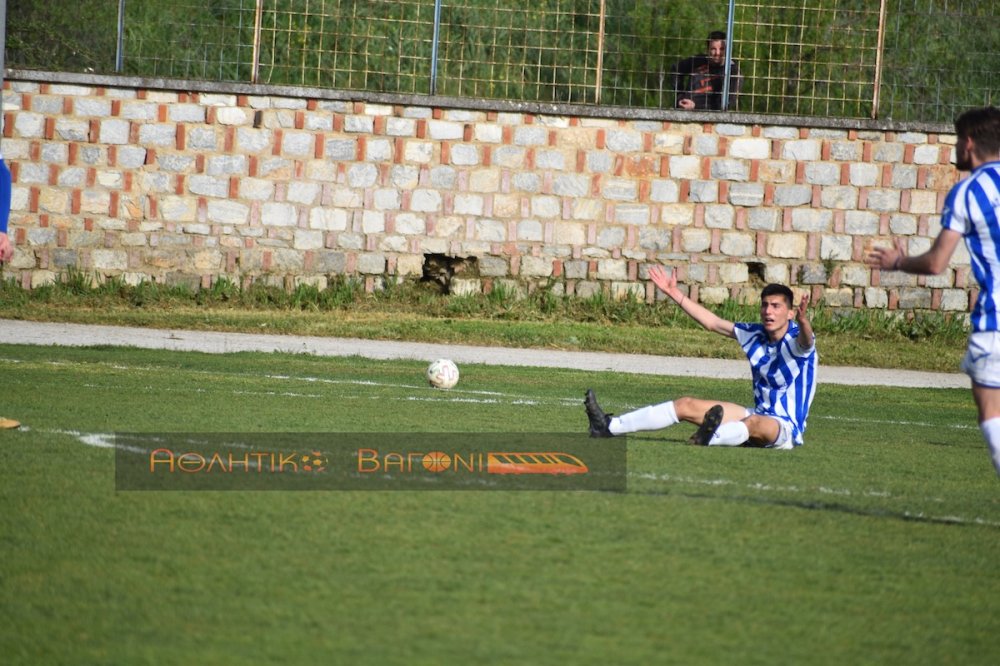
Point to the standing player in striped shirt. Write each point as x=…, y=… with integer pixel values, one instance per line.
x=782, y=355
x=971, y=211
x=6, y=247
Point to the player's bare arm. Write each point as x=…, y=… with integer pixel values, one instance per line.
x=932, y=262
x=667, y=282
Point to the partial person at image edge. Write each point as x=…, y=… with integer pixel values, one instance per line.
x=6, y=247
x=971, y=212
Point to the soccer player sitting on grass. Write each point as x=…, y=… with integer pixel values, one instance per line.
x=783, y=359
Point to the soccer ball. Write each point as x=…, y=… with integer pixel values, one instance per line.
x=442, y=373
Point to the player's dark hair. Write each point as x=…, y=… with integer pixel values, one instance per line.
x=983, y=127
x=777, y=290
x=716, y=35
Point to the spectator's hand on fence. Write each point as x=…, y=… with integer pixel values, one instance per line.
x=686, y=104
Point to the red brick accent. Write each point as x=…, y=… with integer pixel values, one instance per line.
x=858, y=249
x=904, y=201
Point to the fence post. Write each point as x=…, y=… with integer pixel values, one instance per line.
x=120, y=41
x=600, y=56
x=258, y=19
x=434, y=46
x=878, y=59
x=729, y=55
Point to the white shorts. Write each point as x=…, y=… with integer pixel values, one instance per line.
x=982, y=359
x=784, y=441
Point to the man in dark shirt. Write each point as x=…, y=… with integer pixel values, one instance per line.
x=698, y=80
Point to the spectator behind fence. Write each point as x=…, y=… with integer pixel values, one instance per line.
x=698, y=80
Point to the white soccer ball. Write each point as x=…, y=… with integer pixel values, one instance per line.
x=442, y=373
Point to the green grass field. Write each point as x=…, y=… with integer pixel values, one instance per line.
x=875, y=543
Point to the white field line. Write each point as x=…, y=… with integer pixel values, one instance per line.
x=924, y=424
x=428, y=394
x=107, y=441
x=822, y=490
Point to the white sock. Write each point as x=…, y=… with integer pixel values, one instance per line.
x=654, y=417
x=733, y=433
x=991, y=431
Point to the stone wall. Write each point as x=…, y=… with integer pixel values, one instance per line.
x=155, y=181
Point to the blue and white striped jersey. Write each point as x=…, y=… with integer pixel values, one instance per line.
x=784, y=374
x=972, y=208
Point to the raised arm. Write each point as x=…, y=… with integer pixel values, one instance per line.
x=667, y=282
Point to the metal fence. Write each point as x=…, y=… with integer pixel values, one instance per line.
x=912, y=60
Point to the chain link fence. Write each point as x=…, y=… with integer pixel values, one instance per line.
x=905, y=60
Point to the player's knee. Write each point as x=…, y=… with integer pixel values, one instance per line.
x=762, y=428
x=685, y=408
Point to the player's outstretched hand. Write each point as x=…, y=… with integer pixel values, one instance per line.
x=6, y=248
x=806, y=336
x=886, y=258
x=801, y=313
x=667, y=282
